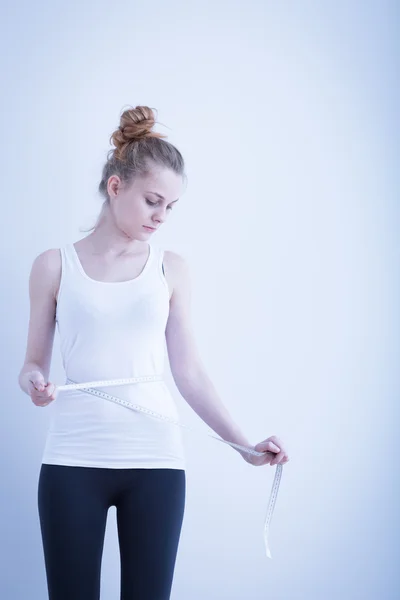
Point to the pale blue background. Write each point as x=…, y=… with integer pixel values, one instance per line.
x=287, y=116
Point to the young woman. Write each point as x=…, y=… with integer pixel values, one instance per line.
x=116, y=299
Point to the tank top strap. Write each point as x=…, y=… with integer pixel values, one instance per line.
x=159, y=256
x=67, y=261
x=70, y=265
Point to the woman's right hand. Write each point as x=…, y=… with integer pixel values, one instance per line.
x=41, y=393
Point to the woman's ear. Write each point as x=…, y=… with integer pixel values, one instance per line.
x=113, y=186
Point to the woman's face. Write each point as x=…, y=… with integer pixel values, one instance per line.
x=146, y=202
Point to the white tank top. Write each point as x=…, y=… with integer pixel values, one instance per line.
x=113, y=330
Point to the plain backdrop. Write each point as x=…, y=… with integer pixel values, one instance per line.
x=287, y=116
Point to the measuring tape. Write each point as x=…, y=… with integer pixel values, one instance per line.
x=90, y=386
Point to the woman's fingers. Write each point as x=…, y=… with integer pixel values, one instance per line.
x=275, y=451
x=277, y=458
x=267, y=446
x=37, y=380
x=45, y=396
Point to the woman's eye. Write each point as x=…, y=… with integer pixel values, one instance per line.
x=155, y=204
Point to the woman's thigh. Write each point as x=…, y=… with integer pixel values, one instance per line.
x=73, y=507
x=149, y=518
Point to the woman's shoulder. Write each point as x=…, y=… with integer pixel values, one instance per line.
x=176, y=263
x=174, y=257
x=177, y=269
x=46, y=267
x=48, y=260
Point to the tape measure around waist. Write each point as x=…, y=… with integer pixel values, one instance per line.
x=90, y=386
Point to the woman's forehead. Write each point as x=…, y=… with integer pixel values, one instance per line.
x=165, y=184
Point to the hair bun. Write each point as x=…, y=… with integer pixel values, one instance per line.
x=135, y=124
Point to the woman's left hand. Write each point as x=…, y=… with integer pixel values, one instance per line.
x=275, y=453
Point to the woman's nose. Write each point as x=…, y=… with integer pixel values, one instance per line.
x=161, y=215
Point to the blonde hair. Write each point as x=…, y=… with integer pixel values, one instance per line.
x=138, y=148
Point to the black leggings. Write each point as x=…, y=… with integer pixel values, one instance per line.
x=73, y=503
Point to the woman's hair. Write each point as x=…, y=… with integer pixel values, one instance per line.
x=137, y=150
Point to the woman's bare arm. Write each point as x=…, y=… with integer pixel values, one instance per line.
x=191, y=378
x=44, y=281
x=187, y=368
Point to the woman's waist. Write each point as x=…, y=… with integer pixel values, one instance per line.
x=105, y=361
x=119, y=401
